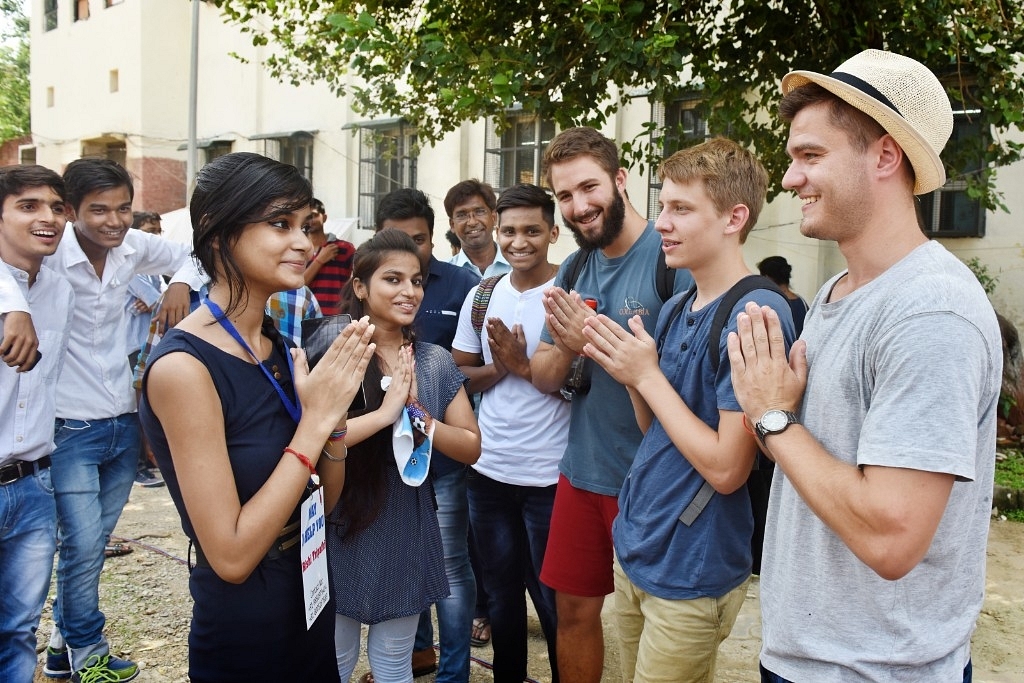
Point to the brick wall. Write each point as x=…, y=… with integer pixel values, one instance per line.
x=9, y=150
x=159, y=183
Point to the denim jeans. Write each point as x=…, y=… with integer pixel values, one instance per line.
x=94, y=465
x=28, y=539
x=454, y=613
x=768, y=677
x=510, y=527
x=388, y=648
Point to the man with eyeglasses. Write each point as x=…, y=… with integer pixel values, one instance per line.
x=470, y=208
x=331, y=265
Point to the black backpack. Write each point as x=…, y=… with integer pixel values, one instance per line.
x=729, y=301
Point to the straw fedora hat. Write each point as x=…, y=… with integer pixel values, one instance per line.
x=903, y=96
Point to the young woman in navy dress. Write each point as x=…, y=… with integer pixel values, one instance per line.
x=238, y=424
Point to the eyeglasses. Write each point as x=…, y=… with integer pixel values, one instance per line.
x=477, y=213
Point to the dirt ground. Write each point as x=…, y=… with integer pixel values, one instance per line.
x=145, y=597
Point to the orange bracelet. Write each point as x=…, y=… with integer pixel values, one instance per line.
x=303, y=459
x=746, y=425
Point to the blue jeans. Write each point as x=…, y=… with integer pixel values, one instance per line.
x=768, y=677
x=94, y=465
x=454, y=613
x=28, y=539
x=510, y=527
x=388, y=648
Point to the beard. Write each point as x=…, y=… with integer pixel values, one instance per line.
x=611, y=228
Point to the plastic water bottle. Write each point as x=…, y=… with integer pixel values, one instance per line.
x=578, y=381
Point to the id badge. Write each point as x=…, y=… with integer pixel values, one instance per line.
x=315, y=588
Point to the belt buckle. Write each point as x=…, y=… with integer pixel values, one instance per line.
x=13, y=469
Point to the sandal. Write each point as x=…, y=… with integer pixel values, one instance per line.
x=481, y=634
x=116, y=549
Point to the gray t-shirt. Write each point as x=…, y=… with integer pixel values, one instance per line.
x=904, y=372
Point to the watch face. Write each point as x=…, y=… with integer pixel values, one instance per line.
x=774, y=421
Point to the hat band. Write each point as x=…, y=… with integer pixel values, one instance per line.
x=864, y=87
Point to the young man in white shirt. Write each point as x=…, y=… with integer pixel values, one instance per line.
x=523, y=431
x=32, y=220
x=96, y=432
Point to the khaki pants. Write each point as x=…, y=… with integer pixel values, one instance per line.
x=671, y=640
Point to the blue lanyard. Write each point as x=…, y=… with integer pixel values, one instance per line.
x=294, y=409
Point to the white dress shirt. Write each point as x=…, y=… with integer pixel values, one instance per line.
x=96, y=380
x=28, y=400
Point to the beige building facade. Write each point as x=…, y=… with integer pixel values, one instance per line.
x=111, y=77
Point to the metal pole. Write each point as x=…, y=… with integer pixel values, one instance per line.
x=192, y=164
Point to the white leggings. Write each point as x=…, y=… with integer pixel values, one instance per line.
x=388, y=647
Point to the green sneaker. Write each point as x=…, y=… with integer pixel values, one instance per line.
x=105, y=669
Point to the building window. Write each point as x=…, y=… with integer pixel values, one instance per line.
x=948, y=211
x=217, y=148
x=50, y=96
x=114, y=81
x=49, y=15
x=108, y=147
x=81, y=10
x=387, y=161
x=27, y=154
x=295, y=149
x=514, y=154
x=679, y=124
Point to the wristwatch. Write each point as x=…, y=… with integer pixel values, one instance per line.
x=774, y=422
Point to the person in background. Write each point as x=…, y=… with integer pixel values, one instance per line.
x=453, y=240
x=330, y=265
x=471, y=215
x=144, y=293
x=778, y=270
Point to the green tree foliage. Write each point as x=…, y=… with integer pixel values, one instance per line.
x=14, y=70
x=441, y=62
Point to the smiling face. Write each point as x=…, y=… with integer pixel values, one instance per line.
x=392, y=294
x=829, y=174
x=271, y=255
x=691, y=228
x=524, y=237
x=473, y=223
x=101, y=220
x=590, y=201
x=31, y=227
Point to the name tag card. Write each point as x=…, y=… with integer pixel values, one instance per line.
x=314, y=556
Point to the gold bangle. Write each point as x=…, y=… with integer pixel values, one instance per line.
x=333, y=458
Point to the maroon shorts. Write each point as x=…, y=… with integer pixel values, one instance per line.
x=578, y=559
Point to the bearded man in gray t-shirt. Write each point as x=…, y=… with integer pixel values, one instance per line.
x=882, y=422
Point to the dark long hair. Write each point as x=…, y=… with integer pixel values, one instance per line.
x=364, y=492
x=231, y=192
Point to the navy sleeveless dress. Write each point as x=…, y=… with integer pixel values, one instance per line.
x=254, y=631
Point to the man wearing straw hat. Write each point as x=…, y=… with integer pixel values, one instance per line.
x=882, y=421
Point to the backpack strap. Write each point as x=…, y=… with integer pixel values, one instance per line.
x=572, y=273
x=732, y=297
x=481, y=300
x=664, y=278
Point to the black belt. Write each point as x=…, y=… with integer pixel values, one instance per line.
x=12, y=472
x=285, y=540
